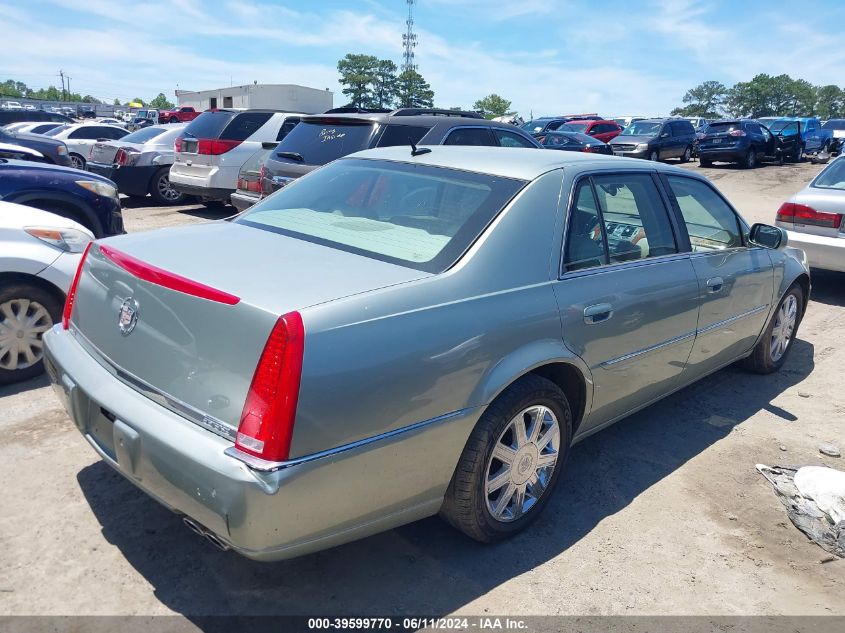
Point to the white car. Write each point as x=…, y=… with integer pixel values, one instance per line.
x=39, y=253
x=815, y=218
x=28, y=106
x=80, y=138
x=13, y=105
x=31, y=127
x=216, y=145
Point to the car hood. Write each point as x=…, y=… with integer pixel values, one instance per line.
x=18, y=216
x=631, y=139
x=37, y=141
x=57, y=169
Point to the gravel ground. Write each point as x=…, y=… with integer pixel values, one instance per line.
x=663, y=513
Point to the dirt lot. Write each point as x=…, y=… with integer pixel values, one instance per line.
x=663, y=513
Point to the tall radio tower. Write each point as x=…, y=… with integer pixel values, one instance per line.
x=409, y=40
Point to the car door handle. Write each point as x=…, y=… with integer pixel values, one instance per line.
x=714, y=284
x=597, y=313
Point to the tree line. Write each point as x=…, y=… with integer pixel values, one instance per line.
x=764, y=95
x=18, y=89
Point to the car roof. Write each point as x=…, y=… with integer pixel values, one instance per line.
x=507, y=162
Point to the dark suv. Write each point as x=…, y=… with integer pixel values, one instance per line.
x=322, y=138
x=747, y=142
x=656, y=139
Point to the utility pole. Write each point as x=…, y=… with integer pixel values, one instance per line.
x=409, y=40
x=62, y=75
x=68, y=87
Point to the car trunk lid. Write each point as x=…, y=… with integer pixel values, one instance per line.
x=193, y=345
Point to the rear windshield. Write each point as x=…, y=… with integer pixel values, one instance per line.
x=833, y=177
x=574, y=127
x=143, y=135
x=320, y=143
x=724, y=128
x=209, y=124
x=417, y=216
x=56, y=130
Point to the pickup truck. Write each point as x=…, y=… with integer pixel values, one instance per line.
x=814, y=137
x=179, y=115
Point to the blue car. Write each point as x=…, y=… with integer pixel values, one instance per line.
x=81, y=196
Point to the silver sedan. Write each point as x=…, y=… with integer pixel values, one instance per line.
x=406, y=332
x=815, y=218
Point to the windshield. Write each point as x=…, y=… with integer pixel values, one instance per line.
x=56, y=130
x=642, y=128
x=777, y=126
x=833, y=176
x=536, y=125
x=834, y=124
x=574, y=127
x=417, y=216
x=319, y=143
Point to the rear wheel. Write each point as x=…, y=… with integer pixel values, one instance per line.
x=511, y=461
x=173, y=119
x=687, y=155
x=162, y=191
x=750, y=160
x=77, y=162
x=799, y=153
x=773, y=347
x=26, y=312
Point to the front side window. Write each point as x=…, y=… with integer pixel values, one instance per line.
x=418, y=216
x=712, y=225
x=509, y=139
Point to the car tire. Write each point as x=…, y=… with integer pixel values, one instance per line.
x=173, y=119
x=703, y=162
x=468, y=505
x=799, y=153
x=654, y=156
x=773, y=347
x=31, y=310
x=685, y=158
x=162, y=192
x=77, y=161
x=750, y=160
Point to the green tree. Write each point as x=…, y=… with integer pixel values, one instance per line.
x=384, y=84
x=9, y=88
x=706, y=99
x=116, y=101
x=830, y=101
x=139, y=100
x=413, y=91
x=357, y=74
x=492, y=106
x=160, y=102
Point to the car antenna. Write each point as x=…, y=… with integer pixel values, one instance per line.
x=420, y=151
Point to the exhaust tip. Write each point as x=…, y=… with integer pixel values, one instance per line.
x=198, y=529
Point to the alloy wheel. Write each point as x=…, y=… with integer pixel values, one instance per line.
x=784, y=327
x=165, y=189
x=22, y=323
x=76, y=162
x=522, y=463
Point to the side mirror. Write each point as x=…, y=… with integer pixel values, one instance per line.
x=664, y=135
x=767, y=236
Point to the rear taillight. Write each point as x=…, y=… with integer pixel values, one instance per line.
x=124, y=158
x=177, y=144
x=803, y=214
x=736, y=133
x=267, y=420
x=71, y=293
x=215, y=147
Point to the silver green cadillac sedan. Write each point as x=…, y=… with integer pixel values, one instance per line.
x=404, y=333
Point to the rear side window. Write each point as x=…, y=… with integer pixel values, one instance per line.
x=322, y=142
x=585, y=247
x=418, y=216
x=471, y=136
x=402, y=135
x=287, y=126
x=94, y=132
x=210, y=124
x=244, y=125
x=507, y=138
x=144, y=134
x=711, y=223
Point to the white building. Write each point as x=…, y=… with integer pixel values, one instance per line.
x=286, y=97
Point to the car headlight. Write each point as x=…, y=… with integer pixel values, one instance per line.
x=100, y=188
x=70, y=240
x=61, y=150
x=642, y=147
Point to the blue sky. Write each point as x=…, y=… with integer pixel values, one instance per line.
x=547, y=56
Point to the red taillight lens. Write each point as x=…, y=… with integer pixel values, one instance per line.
x=736, y=133
x=214, y=146
x=802, y=214
x=71, y=293
x=267, y=420
x=166, y=279
x=177, y=144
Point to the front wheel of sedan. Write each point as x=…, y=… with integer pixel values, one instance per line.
x=773, y=347
x=511, y=461
x=77, y=162
x=654, y=157
x=26, y=312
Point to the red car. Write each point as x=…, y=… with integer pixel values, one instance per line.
x=602, y=130
x=178, y=115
